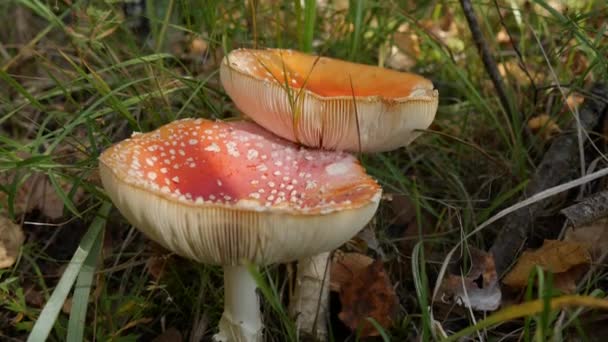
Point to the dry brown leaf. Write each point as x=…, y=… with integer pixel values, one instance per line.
x=345, y=266
x=198, y=46
x=170, y=335
x=33, y=297
x=366, y=239
x=369, y=294
x=67, y=306
x=593, y=236
x=156, y=266
x=565, y=259
x=446, y=31
x=479, y=289
x=157, y=262
x=405, y=52
x=502, y=37
x=574, y=100
x=398, y=60
x=511, y=69
x=566, y=281
x=544, y=126
x=11, y=239
x=37, y=192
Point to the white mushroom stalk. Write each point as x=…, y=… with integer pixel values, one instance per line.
x=231, y=193
x=310, y=302
x=241, y=320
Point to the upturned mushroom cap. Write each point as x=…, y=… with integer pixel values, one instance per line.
x=225, y=192
x=317, y=101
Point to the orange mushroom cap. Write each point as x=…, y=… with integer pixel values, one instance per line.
x=329, y=103
x=194, y=182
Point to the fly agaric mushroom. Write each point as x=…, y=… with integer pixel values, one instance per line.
x=329, y=103
x=227, y=193
x=333, y=104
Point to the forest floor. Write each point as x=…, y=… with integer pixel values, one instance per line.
x=492, y=224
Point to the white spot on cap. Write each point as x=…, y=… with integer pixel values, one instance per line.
x=232, y=150
x=175, y=179
x=252, y=154
x=310, y=184
x=193, y=142
x=152, y=175
x=262, y=167
x=336, y=169
x=212, y=148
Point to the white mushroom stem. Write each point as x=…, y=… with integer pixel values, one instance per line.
x=311, y=298
x=241, y=320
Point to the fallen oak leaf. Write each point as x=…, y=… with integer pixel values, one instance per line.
x=369, y=295
x=156, y=265
x=558, y=257
x=38, y=192
x=479, y=289
x=170, y=335
x=366, y=239
x=594, y=236
x=11, y=239
x=544, y=126
x=344, y=266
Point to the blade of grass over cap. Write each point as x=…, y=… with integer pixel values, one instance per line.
x=49, y=314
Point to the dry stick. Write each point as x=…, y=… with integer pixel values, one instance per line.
x=559, y=165
x=486, y=56
x=588, y=210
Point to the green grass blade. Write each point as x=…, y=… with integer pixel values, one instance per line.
x=67, y=202
x=160, y=39
x=358, y=24
x=8, y=79
x=269, y=292
x=310, y=11
x=76, y=324
x=49, y=314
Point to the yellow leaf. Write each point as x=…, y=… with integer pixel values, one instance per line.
x=555, y=256
x=543, y=125
x=11, y=239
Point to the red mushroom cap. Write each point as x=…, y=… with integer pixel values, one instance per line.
x=239, y=181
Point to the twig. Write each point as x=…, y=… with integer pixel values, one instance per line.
x=486, y=56
x=559, y=165
x=588, y=210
